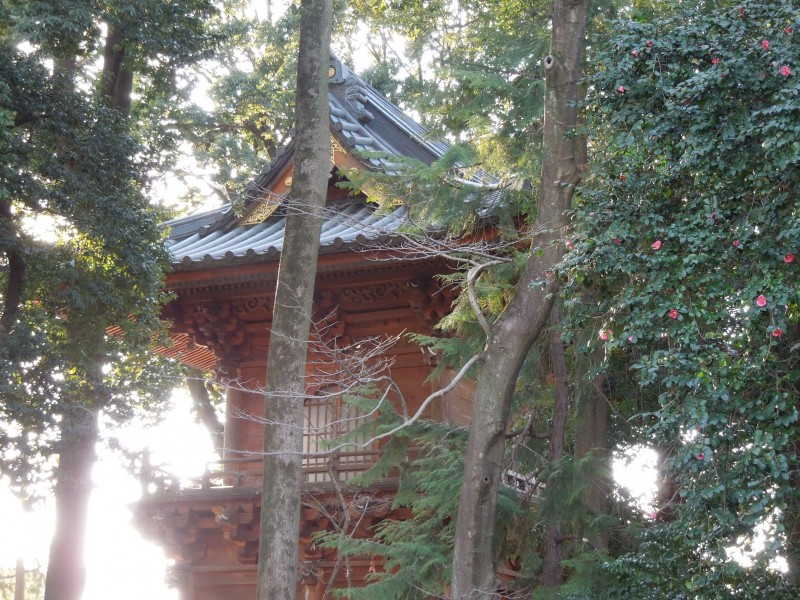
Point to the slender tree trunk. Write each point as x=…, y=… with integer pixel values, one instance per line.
x=66, y=571
x=591, y=438
x=291, y=321
x=118, y=76
x=204, y=409
x=551, y=576
x=12, y=295
x=19, y=580
x=514, y=332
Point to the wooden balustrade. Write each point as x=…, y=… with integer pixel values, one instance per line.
x=245, y=472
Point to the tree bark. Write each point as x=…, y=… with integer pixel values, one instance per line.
x=286, y=359
x=551, y=575
x=19, y=580
x=517, y=328
x=66, y=571
x=118, y=78
x=591, y=438
x=12, y=295
x=205, y=411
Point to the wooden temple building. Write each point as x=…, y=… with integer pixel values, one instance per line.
x=223, y=281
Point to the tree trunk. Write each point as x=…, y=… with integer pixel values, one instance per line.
x=591, y=438
x=66, y=572
x=12, y=296
x=291, y=321
x=518, y=327
x=79, y=434
x=118, y=78
x=204, y=409
x=19, y=580
x=551, y=575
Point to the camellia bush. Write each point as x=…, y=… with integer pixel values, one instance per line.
x=686, y=264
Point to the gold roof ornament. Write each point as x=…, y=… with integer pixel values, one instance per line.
x=336, y=147
x=263, y=210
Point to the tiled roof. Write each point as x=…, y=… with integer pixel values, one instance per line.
x=352, y=223
x=362, y=120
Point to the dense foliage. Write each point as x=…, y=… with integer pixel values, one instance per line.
x=684, y=267
x=81, y=248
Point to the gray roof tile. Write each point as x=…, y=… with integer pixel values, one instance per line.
x=351, y=224
x=363, y=120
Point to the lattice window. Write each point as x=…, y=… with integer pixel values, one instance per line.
x=328, y=418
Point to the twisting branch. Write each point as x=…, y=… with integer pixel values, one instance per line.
x=472, y=276
x=437, y=394
x=407, y=421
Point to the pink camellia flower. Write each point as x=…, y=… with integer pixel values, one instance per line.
x=620, y=90
x=714, y=61
x=631, y=339
x=701, y=456
x=653, y=515
x=603, y=334
x=656, y=245
x=787, y=30
x=765, y=44
x=617, y=241
x=673, y=314
x=713, y=216
x=788, y=258
x=634, y=53
x=570, y=245
x=786, y=71
x=777, y=332
x=761, y=300
x=737, y=243
x=649, y=43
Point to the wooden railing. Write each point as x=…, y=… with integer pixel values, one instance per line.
x=246, y=472
x=525, y=486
